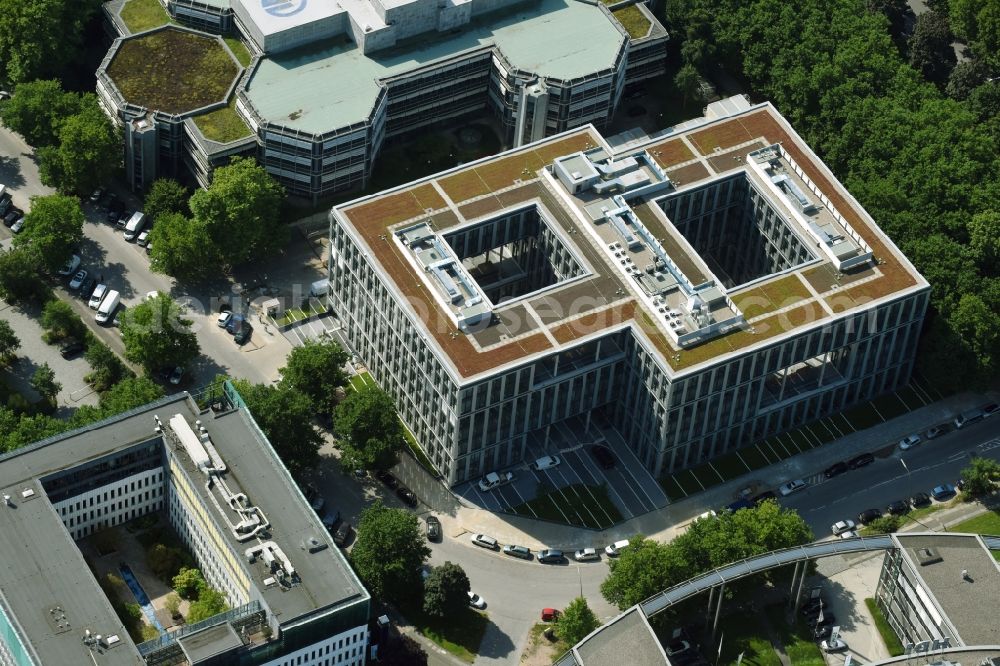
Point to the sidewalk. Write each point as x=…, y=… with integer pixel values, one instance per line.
x=458, y=518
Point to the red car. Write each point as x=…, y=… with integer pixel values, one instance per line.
x=549, y=614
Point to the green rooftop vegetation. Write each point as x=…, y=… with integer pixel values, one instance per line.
x=223, y=125
x=633, y=20
x=142, y=15
x=172, y=71
x=238, y=48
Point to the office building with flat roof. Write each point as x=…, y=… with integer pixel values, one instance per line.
x=294, y=598
x=695, y=292
x=330, y=82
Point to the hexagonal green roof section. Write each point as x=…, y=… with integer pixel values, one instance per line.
x=173, y=70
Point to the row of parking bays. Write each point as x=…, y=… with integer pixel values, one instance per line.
x=631, y=489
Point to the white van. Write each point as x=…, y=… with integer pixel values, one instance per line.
x=319, y=288
x=615, y=549
x=134, y=225
x=108, y=306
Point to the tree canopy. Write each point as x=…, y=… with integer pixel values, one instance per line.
x=980, y=478
x=44, y=382
x=241, y=210
x=576, y=621
x=88, y=154
x=9, y=342
x=165, y=195
x=52, y=229
x=129, y=393
x=446, y=591
x=182, y=248
x=39, y=39
x=316, y=369
x=37, y=111
x=647, y=567
x=285, y=416
x=19, y=277
x=389, y=552
x=157, y=335
x=370, y=430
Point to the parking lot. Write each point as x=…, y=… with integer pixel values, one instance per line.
x=577, y=491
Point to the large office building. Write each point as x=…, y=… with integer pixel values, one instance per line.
x=330, y=82
x=215, y=477
x=695, y=292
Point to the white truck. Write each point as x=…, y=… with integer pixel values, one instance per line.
x=108, y=306
x=134, y=225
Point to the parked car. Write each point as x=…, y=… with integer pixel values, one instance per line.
x=990, y=409
x=495, y=480
x=822, y=631
x=615, y=549
x=860, y=461
x=920, y=499
x=943, y=492
x=850, y=534
x=97, y=296
x=330, y=519
x=792, y=486
x=87, y=288
x=18, y=225
x=476, y=601
x=96, y=195
x=388, y=479
x=176, y=375
x=142, y=239
x=676, y=647
x=828, y=619
x=244, y=334
x=484, y=541
x=897, y=508
x=833, y=645
x=71, y=349
x=234, y=322
x=343, y=534
x=869, y=515
x=836, y=469
x=406, y=495
x=933, y=432
x=70, y=266
x=909, y=442
x=12, y=216
x=78, y=279
x=433, y=528
x=223, y=320
x=811, y=606
x=842, y=526
x=517, y=551
x=550, y=556
x=603, y=455
x=550, y=614
x=586, y=555
x=969, y=417
x=546, y=462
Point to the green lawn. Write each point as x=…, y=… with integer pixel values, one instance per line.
x=744, y=635
x=293, y=315
x=142, y=15
x=223, y=125
x=459, y=635
x=360, y=380
x=889, y=637
x=634, y=21
x=239, y=50
x=798, y=642
x=576, y=504
x=987, y=523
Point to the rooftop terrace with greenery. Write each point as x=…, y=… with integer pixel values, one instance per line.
x=173, y=70
x=222, y=125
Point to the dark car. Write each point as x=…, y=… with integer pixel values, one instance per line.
x=550, y=556
x=235, y=322
x=433, y=528
x=828, y=619
x=811, y=606
x=836, y=469
x=943, y=492
x=71, y=349
x=388, y=479
x=603, y=456
x=343, y=534
x=97, y=195
x=869, y=515
x=822, y=632
x=897, y=508
x=990, y=409
x=763, y=497
x=860, y=461
x=244, y=333
x=920, y=499
x=87, y=288
x=406, y=495
x=12, y=216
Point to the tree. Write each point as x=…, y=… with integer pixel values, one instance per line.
x=241, y=211
x=930, y=47
x=52, y=229
x=984, y=240
x=577, y=621
x=19, y=279
x=688, y=83
x=979, y=479
x=389, y=552
x=317, y=369
x=39, y=39
x=371, y=431
x=61, y=321
x=173, y=604
x=182, y=248
x=189, y=582
x=978, y=325
x=964, y=78
x=978, y=23
x=886, y=524
x=210, y=602
x=165, y=195
x=894, y=10
x=285, y=416
x=157, y=336
x=9, y=342
x=44, y=382
x=404, y=652
x=106, y=367
x=127, y=394
x=446, y=591
x=37, y=111
x=88, y=154
x=647, y=567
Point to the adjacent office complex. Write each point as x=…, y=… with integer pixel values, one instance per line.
x=330, y=82
x=696, y=292
x=295, y=600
